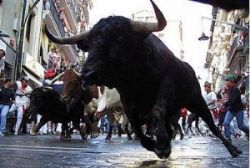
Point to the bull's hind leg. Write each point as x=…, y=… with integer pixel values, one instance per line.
x=65, y=134
x=128, y=131
x=174, y=122
x=199, y=107
x=42, y=121
x=108, y=137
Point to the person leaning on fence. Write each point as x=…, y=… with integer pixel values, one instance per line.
x=22, y=100
x=235, y=108
x=7, y=97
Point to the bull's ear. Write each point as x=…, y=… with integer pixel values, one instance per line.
x=83, y=45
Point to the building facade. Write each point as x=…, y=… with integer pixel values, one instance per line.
x=172, y=35
x=10, y=12
x=228, y=50
x=28, y=48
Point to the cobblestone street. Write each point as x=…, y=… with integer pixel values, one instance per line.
x=48, y=151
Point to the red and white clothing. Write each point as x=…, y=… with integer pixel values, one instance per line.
x=211, y=99
x=22, y=102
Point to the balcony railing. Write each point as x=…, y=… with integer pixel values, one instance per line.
x=56, y=16
x=9, y=59
x=75, y=12
x=232, y=49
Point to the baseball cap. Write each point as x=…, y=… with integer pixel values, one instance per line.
x=26, y=78
x=207, y=84
x=231, y=78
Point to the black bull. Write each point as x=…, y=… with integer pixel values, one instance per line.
x=153, y=83
x=47, y=102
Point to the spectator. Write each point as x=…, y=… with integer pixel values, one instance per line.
x=7, y=96
x=221, y=98
x=54, y=59
x=184, y=113
x=51, y=73
x=22, y=100
x=211, y=98
x=2, y=63
x=235, y=108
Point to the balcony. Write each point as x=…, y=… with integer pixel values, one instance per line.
x=71, y=15
x=57, y=19
x=9, y=59
x=56, y=26
x=52, y=19
x=235, y=47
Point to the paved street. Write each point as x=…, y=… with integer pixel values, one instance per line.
x=48, y=151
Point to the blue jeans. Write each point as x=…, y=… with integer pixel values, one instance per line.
x=4, y=109
x=240, y=121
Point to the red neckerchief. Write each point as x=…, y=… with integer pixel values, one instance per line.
x=23, y=85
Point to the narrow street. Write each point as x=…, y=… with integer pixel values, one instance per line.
x=48, y=151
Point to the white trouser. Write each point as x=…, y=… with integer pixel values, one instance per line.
x=44, y=128
x=59, y=127
x=20, y=110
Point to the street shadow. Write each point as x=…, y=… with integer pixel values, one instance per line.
x=155, y=164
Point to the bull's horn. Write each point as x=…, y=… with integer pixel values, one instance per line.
x=147, y=27
x=57, y=77
x=77, y=73
x=66, y=40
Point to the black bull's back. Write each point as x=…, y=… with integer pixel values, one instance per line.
x=47, y=103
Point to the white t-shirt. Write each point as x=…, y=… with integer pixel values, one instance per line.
x=22, y=100
x=2, y=64
x=209, y=97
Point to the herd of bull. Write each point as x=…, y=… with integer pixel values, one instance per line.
x=152, y=83
x=83, y=107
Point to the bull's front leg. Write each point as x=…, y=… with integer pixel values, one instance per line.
x=130, y=111
x=164, y=106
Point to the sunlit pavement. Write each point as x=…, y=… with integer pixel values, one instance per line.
x=48, y=151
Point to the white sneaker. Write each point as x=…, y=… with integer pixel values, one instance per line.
x=1, y=134
x=15, y=133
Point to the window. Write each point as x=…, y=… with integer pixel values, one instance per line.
x=29, y=26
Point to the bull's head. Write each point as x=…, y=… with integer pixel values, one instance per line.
x=111, y=43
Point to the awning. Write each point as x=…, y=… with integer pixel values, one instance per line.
x=33, y=78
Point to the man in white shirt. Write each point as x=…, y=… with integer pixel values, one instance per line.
x=23, y=90
x=211, y=98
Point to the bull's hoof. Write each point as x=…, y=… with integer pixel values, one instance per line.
x=94, y=135
x=108, y=137
x=236, y=153
x=84, y=136
x=181, y=137
x=67, y=139
x=162, y=153
x=68, y=136
x=33, y=133
x=136, y=138
x=130, y=137
x=233, y=150
x=119, y=135
x=62, y=138
x=148, y=143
